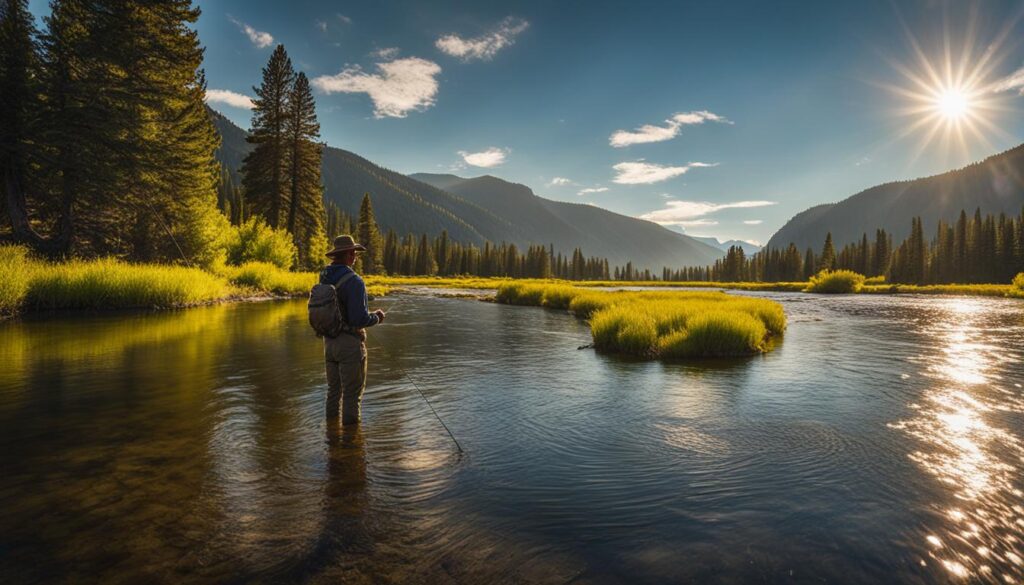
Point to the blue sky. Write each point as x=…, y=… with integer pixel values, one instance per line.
x=716, y=118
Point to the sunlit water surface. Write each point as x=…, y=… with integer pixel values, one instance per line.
x=881, y=441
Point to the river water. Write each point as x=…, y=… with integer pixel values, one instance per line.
x=882, y=441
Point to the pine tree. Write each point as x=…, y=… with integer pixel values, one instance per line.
x=828, y=254
x=306, y=213
x=18, y=109
x=264, y=168
x=368, y=234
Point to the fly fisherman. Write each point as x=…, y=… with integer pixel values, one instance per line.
x=345, y=346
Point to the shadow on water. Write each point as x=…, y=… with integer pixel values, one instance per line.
x=880, y=441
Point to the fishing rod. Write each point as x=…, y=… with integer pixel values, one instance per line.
x=422, y=395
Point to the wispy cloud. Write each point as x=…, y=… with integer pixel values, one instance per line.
x=385, y=53
x=1012, y=82
x=491, y=157
x=559, y=182
x=229, y=98
x=641, y=173
x=484, y=47
x=344, y=19
x=322, y=25
x=259, y=38
x=695, y=222
x=590, y=190
x=753, y=221
x=671, y=129
x=680, y=212
x=399, y=87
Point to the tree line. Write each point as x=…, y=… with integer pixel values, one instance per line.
x=422, y=255
x=973, y=249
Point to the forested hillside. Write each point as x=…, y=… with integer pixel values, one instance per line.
x=995, y=185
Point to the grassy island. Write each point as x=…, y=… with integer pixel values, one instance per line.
x=661, y=324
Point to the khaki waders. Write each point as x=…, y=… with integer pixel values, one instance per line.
x=345, y=358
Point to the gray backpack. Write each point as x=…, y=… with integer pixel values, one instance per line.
x=324, y=309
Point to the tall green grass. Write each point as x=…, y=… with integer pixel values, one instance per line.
x=661, y=324
x=16, y=268
x=836, y=282
x=265, y=277
x=31, y=284
x=108, y=283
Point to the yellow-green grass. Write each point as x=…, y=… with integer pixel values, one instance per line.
x=661, y=324
x=16, y=270
x=264, y=277
x=108, y=283
x=32, y=284
x=835, y=282
x=973, y=290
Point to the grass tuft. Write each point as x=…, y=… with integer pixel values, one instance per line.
x=835, y=282
x=17, y=268
x=268, y=277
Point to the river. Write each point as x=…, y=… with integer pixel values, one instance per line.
x=882, y=440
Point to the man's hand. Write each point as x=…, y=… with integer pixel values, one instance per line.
x=380, y=315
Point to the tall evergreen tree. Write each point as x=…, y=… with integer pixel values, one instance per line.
x=306, y=213
x=368, y=234
x=264, y=168
x=828, y=254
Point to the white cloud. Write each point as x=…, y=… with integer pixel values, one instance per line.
x=399, y=87
x=344, y=19
x=491, y=157
x=559, y=182
x=678, y=212
x=483, y=47
x=321, y=25
x=590, y=190
x=753, y=221
x=652, y=133
x=1013, y=81
x=696, y=222
x=640, y=172
x=258, y=38
x=385, y=53
x=229, y=98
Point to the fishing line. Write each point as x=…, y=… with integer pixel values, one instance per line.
x=423, y=396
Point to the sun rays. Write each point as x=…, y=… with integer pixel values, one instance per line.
x=949, y=93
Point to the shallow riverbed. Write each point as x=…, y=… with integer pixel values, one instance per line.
x=882, y=440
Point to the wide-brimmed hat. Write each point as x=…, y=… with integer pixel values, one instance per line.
x=344, y=244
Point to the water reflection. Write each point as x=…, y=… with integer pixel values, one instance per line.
x=964, y=445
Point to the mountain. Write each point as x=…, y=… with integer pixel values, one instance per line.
x=399, y=202
x=566, y=226
x=484, y=208
x=995, y=184
x=748, y=248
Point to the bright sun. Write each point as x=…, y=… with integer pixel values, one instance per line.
x=953, y=104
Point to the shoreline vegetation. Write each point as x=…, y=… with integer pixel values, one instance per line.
x=31, y=284
x=665, y=325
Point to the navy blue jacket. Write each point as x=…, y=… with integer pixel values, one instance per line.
x=352, y=295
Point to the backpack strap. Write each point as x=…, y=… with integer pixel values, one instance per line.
x=344, y=279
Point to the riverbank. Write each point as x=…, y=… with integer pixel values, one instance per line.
x=871, y=286
x=32, y=285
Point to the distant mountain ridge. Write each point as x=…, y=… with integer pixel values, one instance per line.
x=995, y=184
x=485, y=208
x=569, y=225
x=748, y=247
